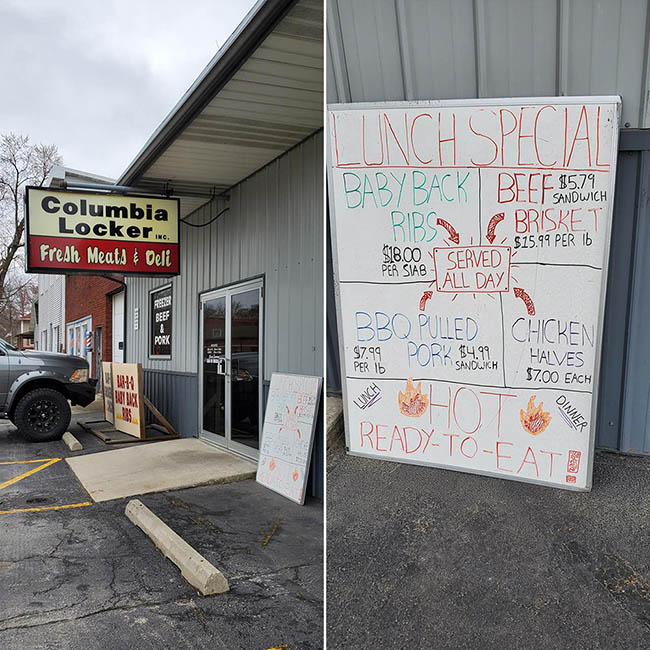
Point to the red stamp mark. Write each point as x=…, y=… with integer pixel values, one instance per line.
x=570, y=479
x=573, y=463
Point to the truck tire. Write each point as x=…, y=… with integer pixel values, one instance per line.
x=43, y=414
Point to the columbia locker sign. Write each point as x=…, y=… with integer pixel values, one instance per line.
x=97, y=233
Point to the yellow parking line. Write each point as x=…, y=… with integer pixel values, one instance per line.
x=70, y=505
x=284, y=646
x=24, y=462
x=47, y=463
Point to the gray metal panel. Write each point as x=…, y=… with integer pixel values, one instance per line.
x=635, y=429
x=332, y=343
x=441, y=33
x=607, y=50
x=274, y=227
x=174, y=395
x=615, y=327
x=371, y=49
x=443, y=49
x=520, y=48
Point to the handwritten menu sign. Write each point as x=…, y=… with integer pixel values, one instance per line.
x=107, y=391
x=128, y=399
x=471, y=242
x=288, y=434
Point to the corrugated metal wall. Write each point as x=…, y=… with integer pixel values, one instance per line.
x=624, y=392
x=274, y=227
x=332, y=342
x=381, y=50
x=177, y=394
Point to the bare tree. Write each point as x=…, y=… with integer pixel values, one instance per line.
x=17, y=301
x=21, y=164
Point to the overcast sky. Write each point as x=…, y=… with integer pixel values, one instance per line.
x=96, y=77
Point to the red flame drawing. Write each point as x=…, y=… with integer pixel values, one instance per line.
x=534, y=420
x=412, y=403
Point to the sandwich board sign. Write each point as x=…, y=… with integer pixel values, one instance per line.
x=471, y=241
x=288, y=434
x=128, y=400
x=124, y=404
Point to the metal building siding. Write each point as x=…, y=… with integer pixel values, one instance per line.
x=274, y=227
x=635, y=420
x=333, y=354
x=442, y=33
x=182, y=411
x=517, y=44
x=51, y=308
x=381, y=50
x=613, y=358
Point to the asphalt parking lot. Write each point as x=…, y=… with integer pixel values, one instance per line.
x=428, y=558
x=84, y=577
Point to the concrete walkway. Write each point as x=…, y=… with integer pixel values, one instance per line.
x=157, y=467
x=94, y=407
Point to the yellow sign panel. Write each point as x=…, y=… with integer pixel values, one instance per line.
x=128, y=400
x=58, y=213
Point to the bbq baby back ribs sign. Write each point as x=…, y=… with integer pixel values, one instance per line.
x=471, y=242
x=128, y=400
x=70, y=232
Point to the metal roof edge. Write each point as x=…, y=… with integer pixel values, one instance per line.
x=256, y=26
x=60, y=173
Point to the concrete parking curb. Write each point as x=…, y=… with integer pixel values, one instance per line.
x=72, y=443
x=202, y=575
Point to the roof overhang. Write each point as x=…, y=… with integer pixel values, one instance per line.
x=60, y=176
x=257, y=98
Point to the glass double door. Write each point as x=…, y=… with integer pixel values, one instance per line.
x=231, y=367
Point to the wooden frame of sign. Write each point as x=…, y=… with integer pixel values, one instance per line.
x=124, y=404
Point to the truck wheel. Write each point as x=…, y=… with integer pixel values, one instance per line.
x=42, y=415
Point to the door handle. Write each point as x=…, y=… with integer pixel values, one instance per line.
x=223, y=366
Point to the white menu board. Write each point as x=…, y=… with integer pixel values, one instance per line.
x=471, y=241
x=288, y=434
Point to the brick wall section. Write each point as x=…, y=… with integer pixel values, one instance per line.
x=86, y=295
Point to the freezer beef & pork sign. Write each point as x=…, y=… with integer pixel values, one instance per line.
x=160, y=344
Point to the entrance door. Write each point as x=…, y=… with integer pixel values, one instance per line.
x=231, y=367
x=118, y=327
